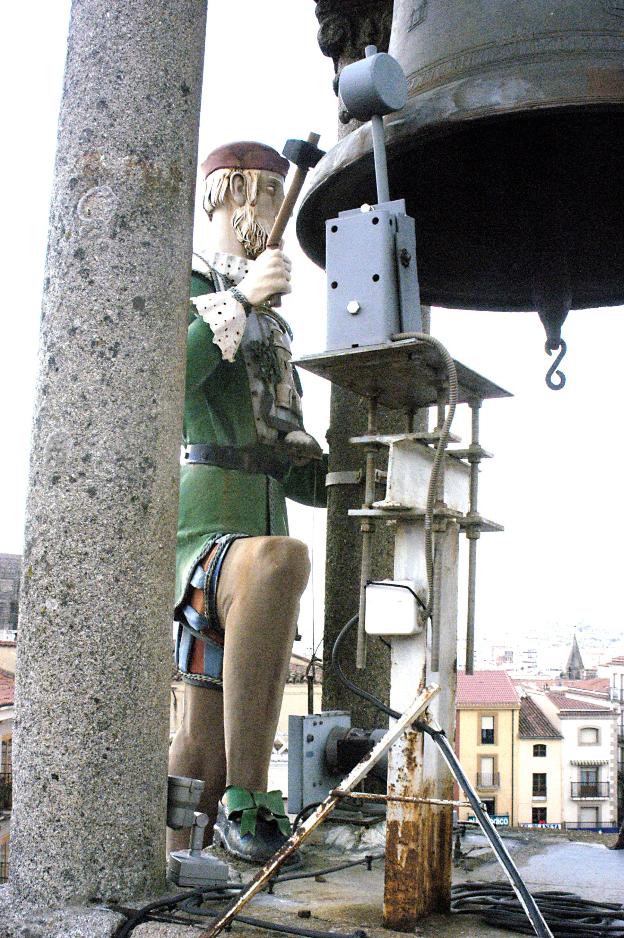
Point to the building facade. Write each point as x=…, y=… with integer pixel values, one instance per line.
x=10, y=573
x=539, y=767
x=588, y=758
x=488, y=709
x=616, y=695
x=7, y=690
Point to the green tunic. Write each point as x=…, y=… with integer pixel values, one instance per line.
x=218, y=410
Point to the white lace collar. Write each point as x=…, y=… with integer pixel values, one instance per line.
x=227, y=264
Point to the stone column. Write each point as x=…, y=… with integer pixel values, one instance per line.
x=346, y=28
x=94, y=660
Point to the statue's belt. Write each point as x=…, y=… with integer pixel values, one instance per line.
x=258, y=459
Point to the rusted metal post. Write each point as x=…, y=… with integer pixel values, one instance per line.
x=419, y=835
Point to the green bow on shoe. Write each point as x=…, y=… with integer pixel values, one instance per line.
x=250, y=805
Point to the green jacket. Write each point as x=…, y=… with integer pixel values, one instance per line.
x=218, y=410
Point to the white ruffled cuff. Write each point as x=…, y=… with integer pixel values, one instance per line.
x=226, y=317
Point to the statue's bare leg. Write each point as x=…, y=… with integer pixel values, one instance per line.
x=258, y=595
x=258, y=601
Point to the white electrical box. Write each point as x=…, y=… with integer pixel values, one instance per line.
x=392, y=608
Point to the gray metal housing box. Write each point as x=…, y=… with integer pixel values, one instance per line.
x=309, y=779
x=372, y=282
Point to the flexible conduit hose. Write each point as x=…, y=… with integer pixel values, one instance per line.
x=453, y=388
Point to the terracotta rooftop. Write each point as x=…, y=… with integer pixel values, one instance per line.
x=599, y=685
x=568, y=703
x=7, y=688
x=533, y=723
x=485, y=687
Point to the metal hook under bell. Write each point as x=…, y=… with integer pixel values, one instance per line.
x=556, y=385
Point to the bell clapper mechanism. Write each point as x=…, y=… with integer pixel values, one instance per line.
x=376, y=348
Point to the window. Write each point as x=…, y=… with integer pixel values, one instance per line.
x=4, y=860
x=6, y=755
x=538, y=815
x=487, y=776
x=589, y=736
x=490, y=805
x=539, y=751
x=589, y=817
x=539, y=784
x=487, y=730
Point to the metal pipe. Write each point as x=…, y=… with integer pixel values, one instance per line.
x=524, y=896
x=367, y=529
x=473, y=534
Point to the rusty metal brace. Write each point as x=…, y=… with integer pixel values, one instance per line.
x=356, y=775
x=368, y=796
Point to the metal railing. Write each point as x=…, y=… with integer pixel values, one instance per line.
x=488, y=779
x=6, y=791
x=590, y=789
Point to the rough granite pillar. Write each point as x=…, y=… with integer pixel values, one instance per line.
x=346, y=28
x=94, y=657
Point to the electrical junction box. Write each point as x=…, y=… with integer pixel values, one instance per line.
x=372, y=282
x=310, y=778
x=392, y=608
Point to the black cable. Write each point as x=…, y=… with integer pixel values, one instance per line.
x=311, y=874
x=567, y=915
x=342, y=677
x=273, y=926
x=304, y=814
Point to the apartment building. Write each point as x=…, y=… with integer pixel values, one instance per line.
x=589, y=731
x=616, y=695
x=7, y=691
x=488, y=711
x=539, y=767
x=10, y=572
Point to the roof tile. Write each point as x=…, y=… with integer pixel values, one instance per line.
x=533, y=722
x=569, y=703
x=485, y=687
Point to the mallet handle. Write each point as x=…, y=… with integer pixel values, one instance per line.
x=288, y=205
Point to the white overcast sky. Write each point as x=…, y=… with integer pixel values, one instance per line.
x=555, y=478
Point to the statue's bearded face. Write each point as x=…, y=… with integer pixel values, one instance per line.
x=253, y=197
x=253, y=220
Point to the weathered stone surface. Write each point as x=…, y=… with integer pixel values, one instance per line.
x=95, y=627
x=16, y=922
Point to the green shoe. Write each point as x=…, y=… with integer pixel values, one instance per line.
x=252, y=826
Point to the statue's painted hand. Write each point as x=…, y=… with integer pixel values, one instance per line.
x=269, y=274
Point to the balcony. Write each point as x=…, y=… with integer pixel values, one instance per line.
x=488, y=780
x=6, y=791
x=590, y=789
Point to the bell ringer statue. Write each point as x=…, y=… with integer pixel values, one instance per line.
x=239, y=576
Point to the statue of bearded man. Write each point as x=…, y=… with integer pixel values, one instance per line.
x=239, y=575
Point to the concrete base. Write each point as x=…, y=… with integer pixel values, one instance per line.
x=353, y=898
x=20, y=921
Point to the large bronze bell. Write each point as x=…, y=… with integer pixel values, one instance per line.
x=509, y=153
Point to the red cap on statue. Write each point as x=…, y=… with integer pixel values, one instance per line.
x=245, y=154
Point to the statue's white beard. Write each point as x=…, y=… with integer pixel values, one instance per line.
x=250, y=232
